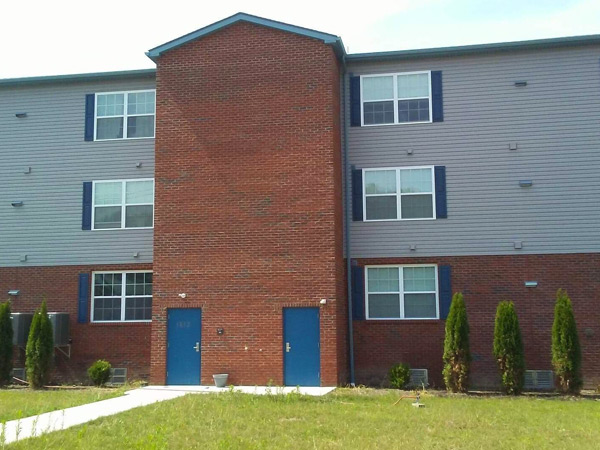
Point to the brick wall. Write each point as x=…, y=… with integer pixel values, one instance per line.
x=123, y=344
x=485, y=281
x=248, y=215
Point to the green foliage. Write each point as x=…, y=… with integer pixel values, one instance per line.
x=99, y=372
x=399, y=375
x=40, y=348
x=457, y=354
x=508, y=348
x=6, y=345
x=566, y=351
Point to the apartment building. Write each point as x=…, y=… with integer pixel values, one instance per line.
x=266, y=205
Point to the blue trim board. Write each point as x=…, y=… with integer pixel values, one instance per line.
x=79, y=77
x=325, y=37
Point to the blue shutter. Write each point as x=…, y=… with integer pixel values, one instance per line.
x=437, y=97
x=86, y=215
x=355, y=101
x=441, y=204
x=90, y=100
x=357, y=195
x=83, y=298
x=358, y=293
x=445, y=282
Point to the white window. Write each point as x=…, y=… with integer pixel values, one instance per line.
x=399, y=193
x=402, y=292
x=123, y=204
x=396, y=98
x=122, y=296
x=125, y=115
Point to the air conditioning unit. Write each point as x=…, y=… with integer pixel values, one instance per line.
x=21, y=322
x=118, y=376
x=60, y=328
x=539, y=379
x=418, y=378
x=19, y=373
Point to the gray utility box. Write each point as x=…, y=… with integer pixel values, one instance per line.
x=21, y=322
x=60, y=326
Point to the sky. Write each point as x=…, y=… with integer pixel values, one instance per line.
x=64, y=36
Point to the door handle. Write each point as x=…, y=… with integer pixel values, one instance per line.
x=288, y=347
x=197, y=347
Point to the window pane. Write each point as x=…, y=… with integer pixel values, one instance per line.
x=417, y=206
x=107, y=308
x=107, y=217
x=379, y=208
x=377, y=88
x=138, y=216
x=378, y=113
x=138, y=308
x=139, y=192
x=385, y=279
x=415, y=85
x=419, y=306
x=380, y=181
x=108, y=193
x=384, y=306
x=110, y=105
x=110, y=128
x=413, y=110
x=140, y=103
x=142, y=126
x=415, y=181
x=419, y=279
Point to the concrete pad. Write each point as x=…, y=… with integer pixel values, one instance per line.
x=315, y=391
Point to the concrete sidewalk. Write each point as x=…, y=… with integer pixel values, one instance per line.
x=16, y=430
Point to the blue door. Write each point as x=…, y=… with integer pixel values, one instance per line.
x=301, y=348
x=183, y=346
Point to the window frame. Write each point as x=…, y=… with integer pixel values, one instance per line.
x=123, y=295
x=124, y=116
x=396, y=99
x=401, y=292
x=398, y=194
x=123, y=204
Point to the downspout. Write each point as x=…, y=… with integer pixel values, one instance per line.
x=347, y=209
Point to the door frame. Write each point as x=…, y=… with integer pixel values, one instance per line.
x=167, y=344
x=283, y=338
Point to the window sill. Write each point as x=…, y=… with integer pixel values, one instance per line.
x=124, y=139
x=399, y=321
x=392, y=124
x=121, y=322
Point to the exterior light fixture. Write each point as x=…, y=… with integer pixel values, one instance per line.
x=14, y=292
x=21, y=115
x=520, y=83
x=531, y=284
x=17, y=203
x=526, y=183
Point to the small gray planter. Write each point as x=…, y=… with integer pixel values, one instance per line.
x=220, y=379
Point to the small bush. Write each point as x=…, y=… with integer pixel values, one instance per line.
x=99, y=372
x=508, y=348
x=399, y=375
x=566, y=351
x=457, y=355
x=6, y=345
x=40, y=349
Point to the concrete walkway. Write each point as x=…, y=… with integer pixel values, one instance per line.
x=16, y=430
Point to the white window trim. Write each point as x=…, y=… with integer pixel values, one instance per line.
x=395, y=99
x=400, y=268
x=123, y=296
x=398, y=194
x=124, y=115
x=123, y=204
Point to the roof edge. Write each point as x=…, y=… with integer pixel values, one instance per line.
x=477, y=48
x=78, y=77
x=327, y=38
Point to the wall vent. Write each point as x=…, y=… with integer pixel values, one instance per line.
x=539, y=379
x=418, y=378
x=118, y=376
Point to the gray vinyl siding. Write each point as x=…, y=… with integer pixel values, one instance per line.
x=555, y=120
x=50, y=140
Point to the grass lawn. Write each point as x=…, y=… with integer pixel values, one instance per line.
x=20, y=403
x=345, y=419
